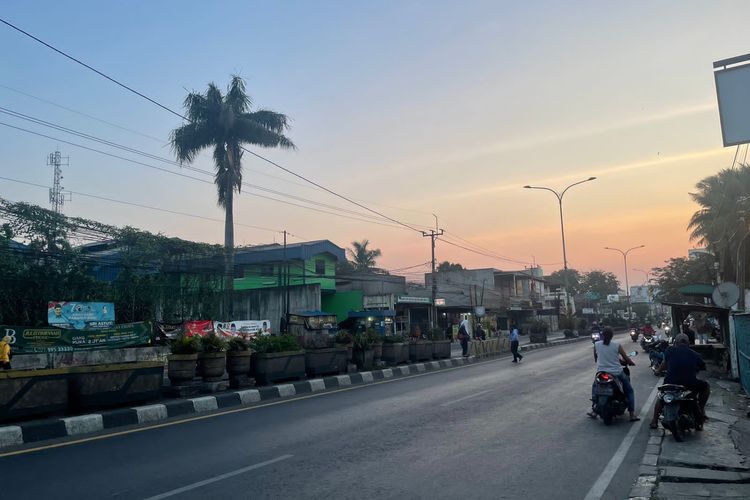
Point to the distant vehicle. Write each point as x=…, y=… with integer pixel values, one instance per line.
x=634, y=335
x=595, y=336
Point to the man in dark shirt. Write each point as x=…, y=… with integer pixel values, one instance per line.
x=682, y=365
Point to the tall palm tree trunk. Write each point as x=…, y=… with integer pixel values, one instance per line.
x=229, y=249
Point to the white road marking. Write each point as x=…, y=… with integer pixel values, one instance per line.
x=465, y=398
x=601, y=484
x=220, y=477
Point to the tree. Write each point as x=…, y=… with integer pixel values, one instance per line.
x=449, y=266
x=680, y=272
x=574, y=280
x=224, y=123
x=598, y=282
x=363, y=259
x=720, y=223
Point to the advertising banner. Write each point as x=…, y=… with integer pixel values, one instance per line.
x=243, y=327
x=81, y=315
x=199, y=327
x=29, y=340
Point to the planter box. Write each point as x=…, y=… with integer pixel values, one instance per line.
x=349, y=351
x=364, y=359
x=278, y=366
x=181, y=368
x=441, y=349
x=238, y=363
x=377, y=352
x=212, y=365
x=537, y=337
x=331, y=361
x=420, y=350
x=396, y=353
x=102, y=386
x=31, y=393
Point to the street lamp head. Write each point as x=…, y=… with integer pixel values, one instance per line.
x=591, y=178
x=527, y=187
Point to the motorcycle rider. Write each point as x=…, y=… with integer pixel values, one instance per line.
x=682, y=365
x=607, y=355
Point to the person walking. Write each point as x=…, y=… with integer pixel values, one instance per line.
x=514, y=344
x=5, y=353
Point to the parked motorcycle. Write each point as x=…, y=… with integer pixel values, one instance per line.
x=609, y=397
x=681, y=411
x=634, y=335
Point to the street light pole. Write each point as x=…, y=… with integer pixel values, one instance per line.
x=648, y=280
x=627, y=284
x=559, y=197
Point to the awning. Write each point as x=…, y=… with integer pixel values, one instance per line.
x=697, y=290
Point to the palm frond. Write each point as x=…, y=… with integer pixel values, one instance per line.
x=188, y=140
x=249, y=131
x=275, y=122
x=237, y=99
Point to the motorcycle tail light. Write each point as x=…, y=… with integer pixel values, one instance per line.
x=605, y=377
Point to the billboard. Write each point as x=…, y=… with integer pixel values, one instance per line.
x=81, y=315
x=243, y=327
x=642, y=294
x=733, y=95
x=30, y=340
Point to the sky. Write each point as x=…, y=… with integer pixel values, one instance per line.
x=414, y=109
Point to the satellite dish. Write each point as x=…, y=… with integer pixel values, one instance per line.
x=726, y=294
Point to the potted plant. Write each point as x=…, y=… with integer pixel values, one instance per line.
x=321, y=356
x=394, y=350
x=182, y=362
x=238, y=358
x=363, y=351
x=538, y=331
x=344, y=339
x=277, y=358
x=420, y=349
x=441, y=347
x=212, y=356
x=377, y=344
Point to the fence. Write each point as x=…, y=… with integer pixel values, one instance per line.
x=742, y=337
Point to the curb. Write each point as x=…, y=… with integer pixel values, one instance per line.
x=56, y=428
x=648, y=473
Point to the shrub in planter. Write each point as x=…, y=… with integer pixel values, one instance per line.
x=238, y=357
x=581, y=325
x=212, y=357
x=181, y=363
x=569, y=334
x=277, y=358
x=377, y=343
x=363, y=351
x=441, y=347
x=538, y=331
x=321, y=356
x=420, y=350
x=566, y=323
x=394, y=350
x=344, y=339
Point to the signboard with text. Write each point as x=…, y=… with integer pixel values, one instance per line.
x=29, y=340
x=81, y=315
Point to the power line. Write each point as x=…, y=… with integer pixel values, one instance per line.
x=130, y=89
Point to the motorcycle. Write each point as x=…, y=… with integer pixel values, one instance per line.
x=634, y=335
x=656, y=350
x=609, y=397
x=681, y=411
x=595, y=336
x=646, y=340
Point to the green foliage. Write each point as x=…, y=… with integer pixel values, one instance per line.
x=238, y=344
x=681, y=272
x=566, y=323
x=437, y=334
x=362, y=257
x=374, y=336
x=538, y=326
x=602, y=283
x=581, y=324
x=274, y=343
x=185, y=345
x=362, y=342
x=574, y=280
x=212, y=343
x=343, y=337
x=449, y=266
x=393, y=339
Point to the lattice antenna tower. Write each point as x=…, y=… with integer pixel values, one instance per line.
x=57, y=195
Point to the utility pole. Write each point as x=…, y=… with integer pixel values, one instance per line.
x=57, y=196
x=285, y=301
x=433, y=234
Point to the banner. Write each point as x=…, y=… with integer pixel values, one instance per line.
x=81, y=315
x=28, y=340
x=243, y=327
x=199, y=328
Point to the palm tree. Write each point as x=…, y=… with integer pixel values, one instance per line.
x=224, y=123
x=362, y=257
x=723, y=199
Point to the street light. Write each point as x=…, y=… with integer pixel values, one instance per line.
x=562, y=232
x=647, y=273
x=627, y=284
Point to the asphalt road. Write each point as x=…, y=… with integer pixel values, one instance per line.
x=493, y=430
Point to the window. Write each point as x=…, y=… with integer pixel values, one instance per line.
x=320, y=266
x=266, y=270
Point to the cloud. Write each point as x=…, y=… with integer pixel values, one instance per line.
x=595, y=171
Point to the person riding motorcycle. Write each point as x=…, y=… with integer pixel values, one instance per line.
x=682, y=364
x=610, y=357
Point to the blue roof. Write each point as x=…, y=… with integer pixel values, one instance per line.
x=372, y=314
x=312, y=313
x=296, y=251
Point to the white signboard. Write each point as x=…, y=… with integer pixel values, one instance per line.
x=733, y=94
x=243, y=327
x=612, y=298
x=587, y=310
x=641, y=295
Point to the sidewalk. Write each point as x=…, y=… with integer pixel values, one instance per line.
x=708, y=464
x=524, y=342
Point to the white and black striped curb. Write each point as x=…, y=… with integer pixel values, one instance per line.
x=648, y=473
x=55, y=428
